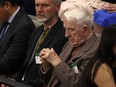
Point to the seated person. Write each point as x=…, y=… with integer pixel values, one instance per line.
x=100, y=71
x=77, y=52
x=45, y=36
x=15, y=33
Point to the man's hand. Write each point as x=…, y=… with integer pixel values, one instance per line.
x=111, y=8
x=3, y=85
x=51, y=56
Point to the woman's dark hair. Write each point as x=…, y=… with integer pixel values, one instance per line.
x=13, y=2
x=104, y=54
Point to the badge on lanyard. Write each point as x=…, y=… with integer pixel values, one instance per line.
x=37, y=59
x=74, y=67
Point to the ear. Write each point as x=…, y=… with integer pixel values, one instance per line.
x=85, y=27
x=57, y=7
x=7, y=5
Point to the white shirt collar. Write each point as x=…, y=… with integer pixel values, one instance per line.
x=13, y=15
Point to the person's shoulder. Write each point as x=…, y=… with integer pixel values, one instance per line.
x=22, y=16
x=104, y=69
x=58, y=24
x=38, y=30
x=104, y=75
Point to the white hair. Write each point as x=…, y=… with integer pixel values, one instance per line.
x=79, y=14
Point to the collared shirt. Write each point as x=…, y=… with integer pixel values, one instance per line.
x=50, y=27
x=12, y=17
x=9, y=21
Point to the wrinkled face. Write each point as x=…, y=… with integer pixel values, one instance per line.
x=74, y=32
x=3, y=14
x=45, y=10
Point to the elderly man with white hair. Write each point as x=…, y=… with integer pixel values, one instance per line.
x=79, y=49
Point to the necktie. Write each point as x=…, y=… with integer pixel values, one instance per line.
x=3, y=29
x=41, y=39
x=38, y=44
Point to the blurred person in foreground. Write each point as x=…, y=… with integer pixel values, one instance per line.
x=100, y=71
x=94, y=5
x=80, y=48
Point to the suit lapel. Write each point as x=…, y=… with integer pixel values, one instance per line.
x=44, y=44
x=11, y=26
x=66, y=54
x=86, y=46
x=36, y=35
x=48, y=40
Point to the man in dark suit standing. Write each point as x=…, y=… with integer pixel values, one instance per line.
x=14, y=37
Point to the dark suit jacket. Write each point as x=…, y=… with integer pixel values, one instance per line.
x=66, y=75
x=14, y=44
x=55, y=36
